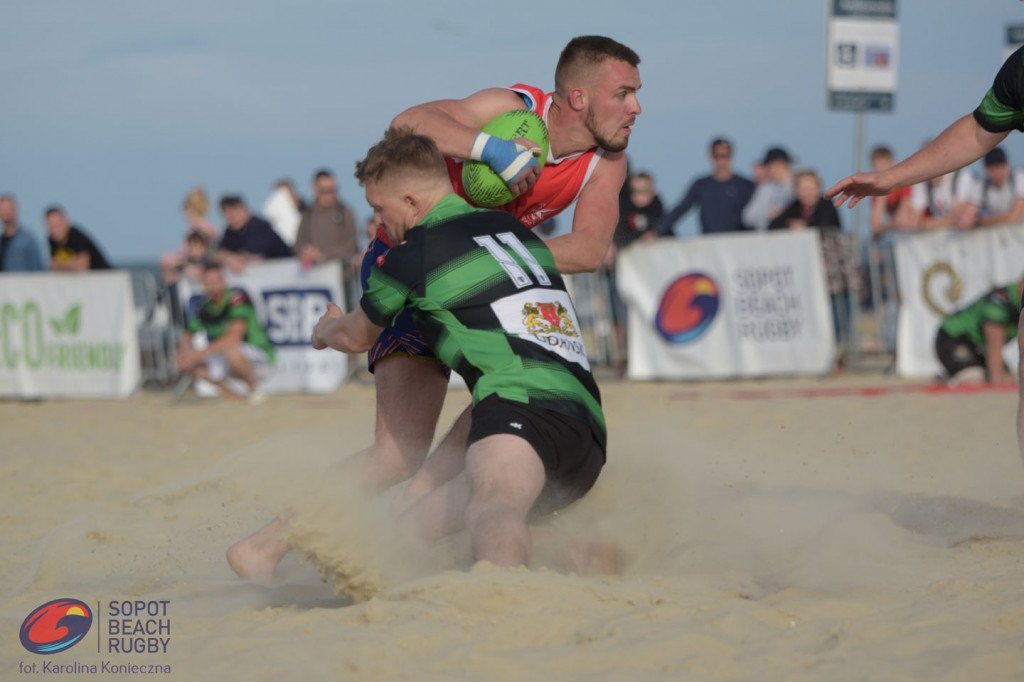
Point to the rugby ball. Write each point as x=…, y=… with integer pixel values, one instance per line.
x=483, y=186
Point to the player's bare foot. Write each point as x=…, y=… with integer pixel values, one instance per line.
x=256, y=557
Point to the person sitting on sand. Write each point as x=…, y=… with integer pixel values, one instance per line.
x=238, y=346
x=969, y=342
x=490, y=303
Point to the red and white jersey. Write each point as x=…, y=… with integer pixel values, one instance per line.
x=560, y=182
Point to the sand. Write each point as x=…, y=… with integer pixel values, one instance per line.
x=775, y=530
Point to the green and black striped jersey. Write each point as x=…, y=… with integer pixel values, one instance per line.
x=1002, y=108
x=486, y=296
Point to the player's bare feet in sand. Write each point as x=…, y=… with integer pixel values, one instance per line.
x=256, y=557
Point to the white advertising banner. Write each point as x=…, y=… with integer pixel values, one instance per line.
x=68, y=335
x=941, y=272
x=743, y=305
x=289, y=301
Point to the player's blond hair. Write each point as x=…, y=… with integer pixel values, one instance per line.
x=401, y=152
x=197, y=202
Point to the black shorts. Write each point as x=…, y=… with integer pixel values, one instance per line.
x=956, y=353
x=571, y=454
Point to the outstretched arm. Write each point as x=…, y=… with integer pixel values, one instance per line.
x=964, y=142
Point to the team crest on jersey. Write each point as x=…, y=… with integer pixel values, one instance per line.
x=548, y=318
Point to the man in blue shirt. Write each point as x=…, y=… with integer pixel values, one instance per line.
x=247, y=238
x=19, y=251
x=721, y=196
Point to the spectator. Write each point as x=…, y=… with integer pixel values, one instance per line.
x=640, y=212
x=1001, y=193
x=721, y=195
x=945, y=201
x=198, y=254
x=195, y=208
x=70, y=248
x=893, y=210
x=973, y=338
x=328, y=228
x=773, y=194
x=283, y=209
x=238, y=346
x=19, y=250
x=247, y=238
x=811, y=210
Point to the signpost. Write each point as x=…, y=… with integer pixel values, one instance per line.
x=861, y=61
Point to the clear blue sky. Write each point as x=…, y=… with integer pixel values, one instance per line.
x=115, y=108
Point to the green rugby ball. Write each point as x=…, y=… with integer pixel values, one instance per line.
x=483, y=186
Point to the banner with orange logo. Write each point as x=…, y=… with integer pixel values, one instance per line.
x=727, y=306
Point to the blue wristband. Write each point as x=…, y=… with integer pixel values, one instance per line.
x=507, y=158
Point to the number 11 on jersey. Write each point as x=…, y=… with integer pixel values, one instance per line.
x=509, y=264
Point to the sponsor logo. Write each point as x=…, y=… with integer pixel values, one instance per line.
x=687, y=308
x=548, y=318
x=292, y=314
x=55, y=626
x=35, y=341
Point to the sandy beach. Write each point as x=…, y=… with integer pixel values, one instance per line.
x=860, y=528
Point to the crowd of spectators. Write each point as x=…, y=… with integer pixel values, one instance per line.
x=781, y=195
x=776, y=196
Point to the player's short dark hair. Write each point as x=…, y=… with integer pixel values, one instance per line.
x=323, y=173
x=53, y=208
x=588, y=51
x=231, y=201
x=719, y=141
x=401, y=150
x=881, y=151
x=198, y=237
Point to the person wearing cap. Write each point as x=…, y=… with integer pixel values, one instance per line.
x=774, y=194
x=1001, y=195
x=721, y=196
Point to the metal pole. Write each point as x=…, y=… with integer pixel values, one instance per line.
x=874, y=257
x=854, y=335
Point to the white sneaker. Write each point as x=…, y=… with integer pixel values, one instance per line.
x=257, y=398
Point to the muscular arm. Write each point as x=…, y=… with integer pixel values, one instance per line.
x=964, y=142
x=454, y=123
x=594, y=220
x=346, y=332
